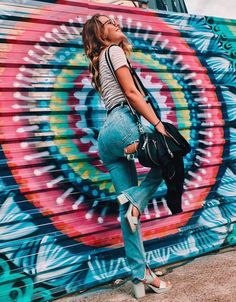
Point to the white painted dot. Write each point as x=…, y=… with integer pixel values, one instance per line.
x=100, y=220
x=88, y=216
x=37, y=172
x=24, y=145
x=59, y=200
x=16, y=118
x=75, y=207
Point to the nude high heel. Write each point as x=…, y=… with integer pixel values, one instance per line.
x=139, y=290
x=132, y=220
x=164, y=287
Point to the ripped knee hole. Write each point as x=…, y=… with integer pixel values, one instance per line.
x=132, y=148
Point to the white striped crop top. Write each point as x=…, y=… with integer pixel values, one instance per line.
x=111, y=91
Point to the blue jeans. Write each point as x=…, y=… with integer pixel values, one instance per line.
x=119, y=131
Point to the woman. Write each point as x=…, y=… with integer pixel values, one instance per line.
x=118, y=138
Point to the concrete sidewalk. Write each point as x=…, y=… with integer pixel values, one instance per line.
x=210, y=278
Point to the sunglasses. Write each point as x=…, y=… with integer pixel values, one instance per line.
x=111, y=21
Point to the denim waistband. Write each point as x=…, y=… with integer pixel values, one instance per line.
x=117, y=105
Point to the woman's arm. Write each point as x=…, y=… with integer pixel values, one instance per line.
x=136, y=99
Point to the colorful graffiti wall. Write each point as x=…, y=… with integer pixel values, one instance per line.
x=59, y=225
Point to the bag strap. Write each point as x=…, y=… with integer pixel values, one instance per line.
x=111, y=67
x=139, y=84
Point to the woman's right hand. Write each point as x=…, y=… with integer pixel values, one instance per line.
x=160, y=128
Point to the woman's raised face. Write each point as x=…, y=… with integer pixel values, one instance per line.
x=112, y=30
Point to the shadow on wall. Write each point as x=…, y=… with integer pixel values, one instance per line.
x=59, y=220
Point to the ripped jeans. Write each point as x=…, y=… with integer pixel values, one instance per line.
x=119, y=131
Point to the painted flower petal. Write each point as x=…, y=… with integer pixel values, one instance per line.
x=185, y=248
x=222, y=68
x=229, y=96
x=14, y=222
x=230, y=100
x=228, y=184
x=213, y=228
x=160, y=255
x=54, y=262
x=106, y=269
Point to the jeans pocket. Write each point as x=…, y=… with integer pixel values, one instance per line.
x=127, y=127
x=118, y=132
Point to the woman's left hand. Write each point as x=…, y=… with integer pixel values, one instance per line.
x=160, y=128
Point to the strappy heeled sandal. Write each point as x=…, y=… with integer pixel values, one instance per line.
x=163, y=287
x=132, y=220
x=139, y=288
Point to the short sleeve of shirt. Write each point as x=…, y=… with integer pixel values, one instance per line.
x=118, y=57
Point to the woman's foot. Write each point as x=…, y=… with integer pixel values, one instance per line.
x=135, y=212
x=132, y=215
x=155, y=283
x=131, y=218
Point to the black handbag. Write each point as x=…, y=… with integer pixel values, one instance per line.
x=155, y=150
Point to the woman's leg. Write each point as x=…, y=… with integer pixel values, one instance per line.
x=123, y=174
x=140, y=195
x=124, y=178
x=118, y=132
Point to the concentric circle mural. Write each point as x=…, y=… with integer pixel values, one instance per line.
x=59, y=209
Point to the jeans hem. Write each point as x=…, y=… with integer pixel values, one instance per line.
x=135, y=279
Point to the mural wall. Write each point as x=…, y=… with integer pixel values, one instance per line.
x=59, y=225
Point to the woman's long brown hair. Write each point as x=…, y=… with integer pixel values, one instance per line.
x=93, y=42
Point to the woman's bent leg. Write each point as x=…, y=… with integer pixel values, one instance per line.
x=140, y=195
